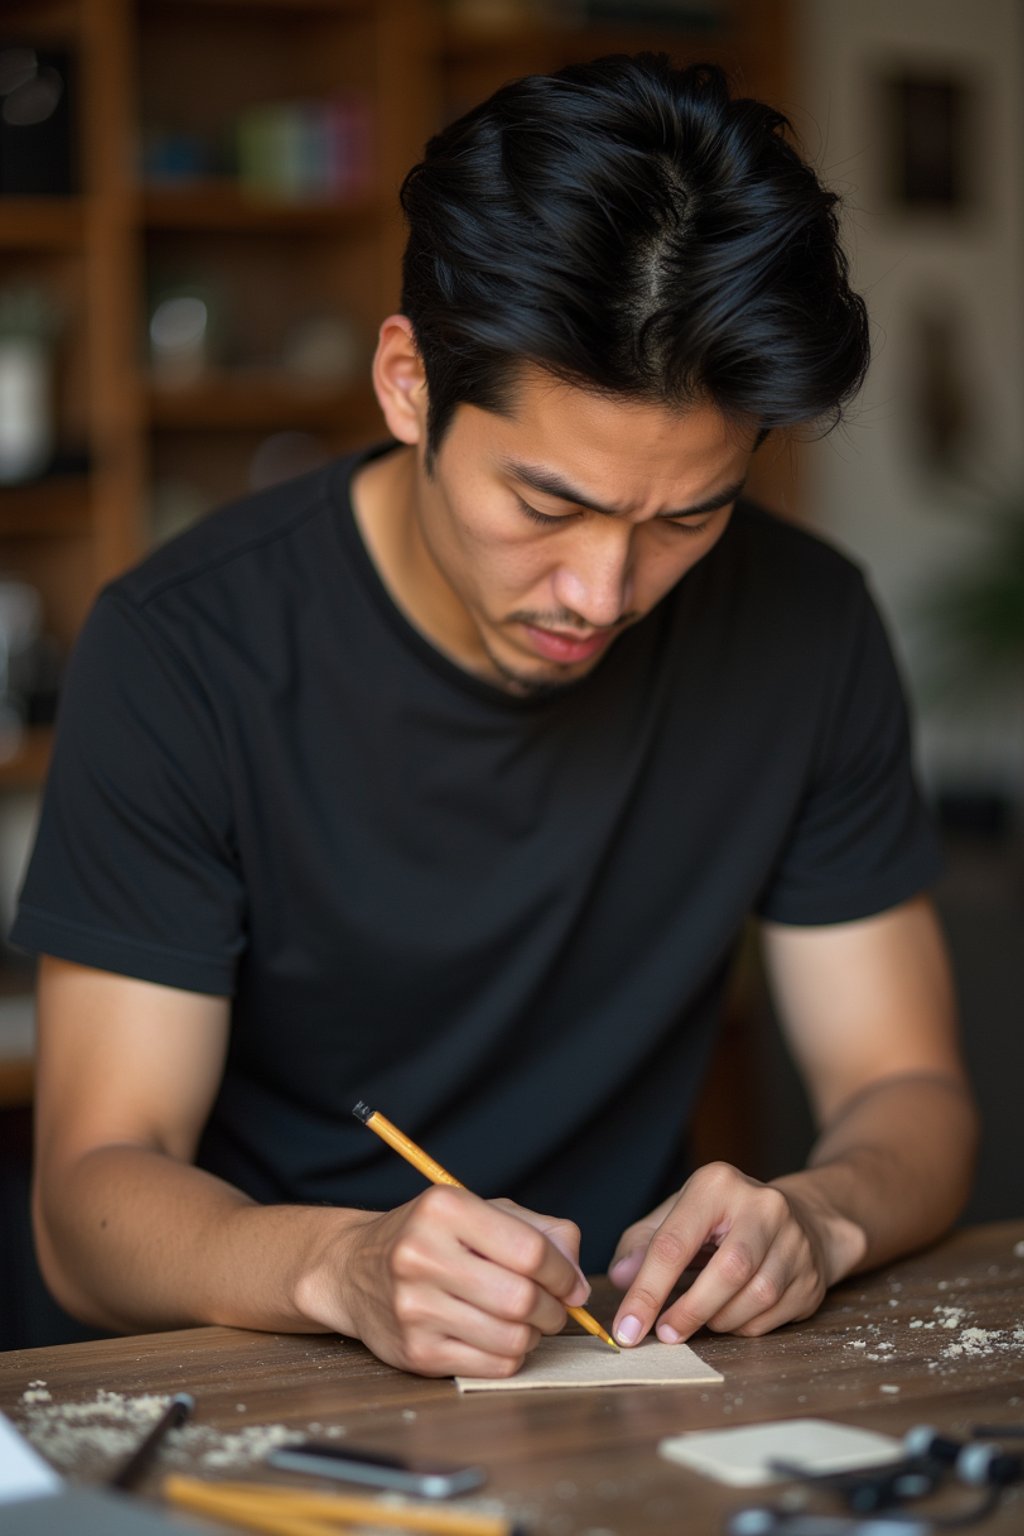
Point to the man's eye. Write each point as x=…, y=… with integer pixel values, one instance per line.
x=690, y=527
x=541, y=517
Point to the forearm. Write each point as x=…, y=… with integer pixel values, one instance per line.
x=133, y=1240
x=891, y=1171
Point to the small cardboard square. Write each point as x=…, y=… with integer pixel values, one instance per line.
x=740, y=1456
x=588, y=1362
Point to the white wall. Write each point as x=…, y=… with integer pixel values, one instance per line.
x=864, y=486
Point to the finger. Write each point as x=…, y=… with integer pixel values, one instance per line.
x=748, y=1275
x=624, y=1269
x=565, y=1235
x=508, y=1296
x=732, y=1290
x=632, y=1245
x=431, y=1320
x=430, y=1354
x=794, y=1304
x=668, y=1254
x=703, y=1212
x=789, y=1285
x=525, y=1241
x=466, y=1247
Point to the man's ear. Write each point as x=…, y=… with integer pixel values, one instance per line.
x=399, y=381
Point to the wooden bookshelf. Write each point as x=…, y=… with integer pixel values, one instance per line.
x=104, y=252
x=50, y=508
x=268, y=400
x=222, y=206
x=41, y=223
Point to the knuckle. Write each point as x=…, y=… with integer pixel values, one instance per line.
x=518, y=1340
x=441, y=1201
x=765, y=1290
x=717, y=1175
x=421, y=1356
x=406, y=1307
x=570, y=1232
x=520, y=1299
x=756, y=1328
x=668, y=1249
x=531, y=1249
x=737, y=1263
x=406, y=1258
x=643, y=1301
x=775, y=1204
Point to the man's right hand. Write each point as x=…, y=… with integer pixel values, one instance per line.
x=451, y=1284
x=132, y=1235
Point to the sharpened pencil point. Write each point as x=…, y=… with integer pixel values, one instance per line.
x=362, y=1111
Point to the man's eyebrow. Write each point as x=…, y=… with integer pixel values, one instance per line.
x=550, y=483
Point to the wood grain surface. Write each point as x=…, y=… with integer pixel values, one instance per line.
x=936, y=1339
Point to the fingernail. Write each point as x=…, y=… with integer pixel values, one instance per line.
x=580, y=1293
x=667, y=1334
x=628, y=1331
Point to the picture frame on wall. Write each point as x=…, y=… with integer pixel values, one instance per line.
x=930, y=119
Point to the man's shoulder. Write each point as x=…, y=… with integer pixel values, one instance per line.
x=775, y=570
x=791, y=551
x=244, y=536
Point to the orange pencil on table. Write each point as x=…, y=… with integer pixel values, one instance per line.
x=425, y=1164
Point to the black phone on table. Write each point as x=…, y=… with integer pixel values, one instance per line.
x=377, y=1469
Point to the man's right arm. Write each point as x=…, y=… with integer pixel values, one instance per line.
x=132, y=1236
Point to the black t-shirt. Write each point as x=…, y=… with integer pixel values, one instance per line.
x=504, y=922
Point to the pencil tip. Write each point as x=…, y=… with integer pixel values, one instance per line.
x=362, y=1111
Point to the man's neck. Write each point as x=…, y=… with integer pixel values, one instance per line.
x=384, y=501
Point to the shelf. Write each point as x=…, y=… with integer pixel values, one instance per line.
x=223, y=207
x=464, y=43
x=45, y=508
x=309, y=7
x=17, y=1038
x=50, y=223
x=256, y=400
x=26, y=767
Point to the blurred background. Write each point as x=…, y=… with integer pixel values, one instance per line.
x=199, y=235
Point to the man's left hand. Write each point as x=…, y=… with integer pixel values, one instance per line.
x=773, y=1256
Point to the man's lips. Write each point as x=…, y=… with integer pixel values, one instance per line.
x=558, y=645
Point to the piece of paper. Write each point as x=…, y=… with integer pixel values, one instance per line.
x=741, y=1456
x=587, y=1362
x=23, y=1472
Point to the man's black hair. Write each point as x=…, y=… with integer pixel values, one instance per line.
x=634, y=230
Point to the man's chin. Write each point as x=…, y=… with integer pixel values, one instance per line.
x=541, y=680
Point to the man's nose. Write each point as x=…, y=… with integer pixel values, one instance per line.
x=595, y=577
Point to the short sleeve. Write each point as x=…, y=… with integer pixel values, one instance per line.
x=861, y=839
x=134, y=868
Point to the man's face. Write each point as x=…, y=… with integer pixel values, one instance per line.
x=544, y=534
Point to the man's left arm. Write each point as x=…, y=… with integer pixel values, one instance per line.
x=868, y=1011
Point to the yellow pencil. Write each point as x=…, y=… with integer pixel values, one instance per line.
x=437, y=1175
x=282, y=1511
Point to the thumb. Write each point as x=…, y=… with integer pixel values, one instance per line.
x=632, y=1246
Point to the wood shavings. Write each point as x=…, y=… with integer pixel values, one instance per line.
x=107, y=1427
x=985, y=1341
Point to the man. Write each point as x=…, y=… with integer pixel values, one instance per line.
x=446, y=778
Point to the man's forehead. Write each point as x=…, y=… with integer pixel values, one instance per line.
x=612, y=455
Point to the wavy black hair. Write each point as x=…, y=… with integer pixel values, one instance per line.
x=634, y=230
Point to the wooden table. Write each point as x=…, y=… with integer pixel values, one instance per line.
x=937, y=1339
